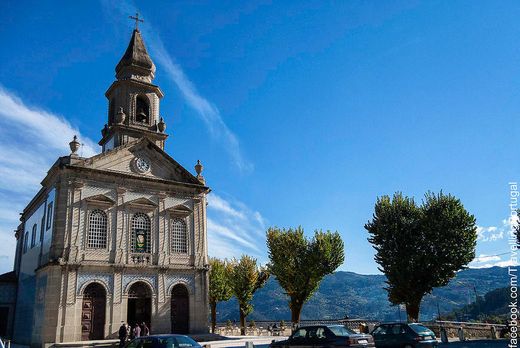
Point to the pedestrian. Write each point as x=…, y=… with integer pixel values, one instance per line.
x=137, y=330
x=123, y=334
x=145, y=331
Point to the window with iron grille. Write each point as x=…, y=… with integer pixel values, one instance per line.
x=179, y=236
x=97, y=230
x=141, y=233
x=33, y=235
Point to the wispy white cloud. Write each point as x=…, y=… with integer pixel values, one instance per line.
x=486, y=261
x=31, y=139
x=205, y=109
x=496, y=233
x=234, y=229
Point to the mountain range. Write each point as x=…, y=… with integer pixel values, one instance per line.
x=363, y=296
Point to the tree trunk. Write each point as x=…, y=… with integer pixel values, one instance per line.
x=213, y=306
x=412, y=310
x=296, y=309
x=242, y=323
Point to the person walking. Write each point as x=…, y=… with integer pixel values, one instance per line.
x=123, y=334
x=145, y=331
x=137, y=330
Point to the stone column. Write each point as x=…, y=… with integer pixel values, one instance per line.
x=119, y=228
x=162, y=246
x=72, y=230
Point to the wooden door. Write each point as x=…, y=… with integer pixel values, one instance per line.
x=180, y=310
x=93, y=313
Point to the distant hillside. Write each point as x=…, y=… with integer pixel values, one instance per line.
x=357, y=295
x=493, y=305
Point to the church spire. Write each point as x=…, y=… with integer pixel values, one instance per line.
x=133, y=101
x=136, y=63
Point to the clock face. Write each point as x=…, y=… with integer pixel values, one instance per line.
x=142, y=164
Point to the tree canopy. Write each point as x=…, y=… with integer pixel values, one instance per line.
x=219, y=286
x=245, y=278
x=299, y=264
x=421, y=247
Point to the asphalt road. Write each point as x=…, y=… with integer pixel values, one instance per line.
x=477, y=344
x=468, y=344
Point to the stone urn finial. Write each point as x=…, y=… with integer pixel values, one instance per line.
x=198, y=169
x=161, y=126
x=120, y=116
x=74, y=145
x=104, y=131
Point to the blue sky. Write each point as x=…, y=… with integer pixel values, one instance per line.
x=302, y=112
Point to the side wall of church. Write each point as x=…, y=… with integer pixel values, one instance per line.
x=37, y=232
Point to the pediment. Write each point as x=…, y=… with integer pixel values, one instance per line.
x=100, y=200
x=142, y=203
x=180, y=210
x=142, y=158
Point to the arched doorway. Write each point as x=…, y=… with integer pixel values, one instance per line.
x=93, y=312
x=139, y=304
x=180, y=310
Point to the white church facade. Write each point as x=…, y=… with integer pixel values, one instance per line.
x=120, y=236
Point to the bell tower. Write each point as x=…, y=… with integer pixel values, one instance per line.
x=133, y=100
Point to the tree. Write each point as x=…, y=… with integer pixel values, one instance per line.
x=517, y=227
x=245, y=278
x=219, y=286
x=299, y=264
x=422, y=247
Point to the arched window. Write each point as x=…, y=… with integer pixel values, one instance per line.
x=141, y=233
x=25, y=242
x=33, y=235
x=111, y=110
x=97, y=230
x=142, y=110
x=179, y=236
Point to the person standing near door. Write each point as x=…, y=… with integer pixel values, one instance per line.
x=145, y=331
x=123, y=334
x=137, y=330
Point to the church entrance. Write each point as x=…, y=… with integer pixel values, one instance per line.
x=139, y=304
x=93, y=313
x=180, y=310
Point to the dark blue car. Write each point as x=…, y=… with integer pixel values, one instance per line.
x=163, y=341
x=403, y=335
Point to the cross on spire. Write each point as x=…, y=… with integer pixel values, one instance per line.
x=137, y=20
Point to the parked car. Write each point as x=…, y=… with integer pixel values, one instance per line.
x=163, y=341
x=326, y=336
x=402, y=335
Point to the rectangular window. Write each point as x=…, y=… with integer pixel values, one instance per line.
x=49, y=215
x=25, y=242
x=33, y=235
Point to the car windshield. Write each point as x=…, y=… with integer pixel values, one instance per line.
x=176, y=342
x=420, y=329
x=341, y=331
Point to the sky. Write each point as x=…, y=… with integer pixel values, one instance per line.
x=302, y=112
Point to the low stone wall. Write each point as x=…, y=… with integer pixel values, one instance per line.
x=470, y=330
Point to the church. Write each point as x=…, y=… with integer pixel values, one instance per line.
x=120, y=236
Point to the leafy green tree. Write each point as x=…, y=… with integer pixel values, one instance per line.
x=299, y=264
x=246, y=277
x=517, y=227
x=422, y=247
x=219, y=286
